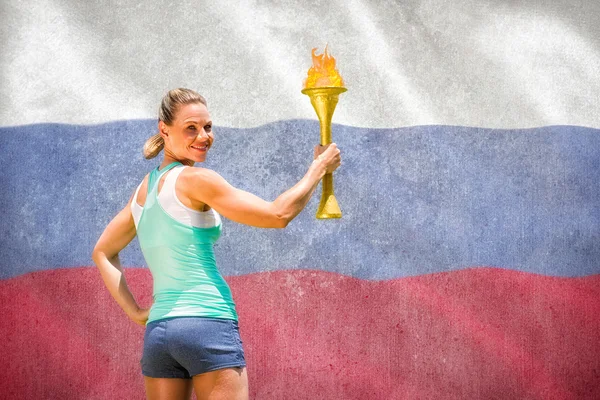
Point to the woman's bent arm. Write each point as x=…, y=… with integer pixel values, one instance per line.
x=119, y=232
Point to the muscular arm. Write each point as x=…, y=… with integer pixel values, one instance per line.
x=118, y=233
x=209, y=187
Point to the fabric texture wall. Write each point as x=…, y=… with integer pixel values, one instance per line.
x=466, y=263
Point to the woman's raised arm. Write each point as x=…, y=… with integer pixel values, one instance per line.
x=207, y=186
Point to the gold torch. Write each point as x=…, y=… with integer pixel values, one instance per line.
x=323, y=86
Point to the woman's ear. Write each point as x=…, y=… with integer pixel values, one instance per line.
x=162, y=129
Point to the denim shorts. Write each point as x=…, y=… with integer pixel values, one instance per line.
x=181, y=347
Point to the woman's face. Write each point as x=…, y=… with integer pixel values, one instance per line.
x=190, y=135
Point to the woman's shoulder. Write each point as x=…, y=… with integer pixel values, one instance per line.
x=193, y=183
x=197, y=174
x=199, y=182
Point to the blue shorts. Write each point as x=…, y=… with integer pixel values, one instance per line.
x=181, y=347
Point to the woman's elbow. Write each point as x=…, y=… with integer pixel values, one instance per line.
x=96, y=255
x=279, y=218
x=283, y=222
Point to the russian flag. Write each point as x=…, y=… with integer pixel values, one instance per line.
x=467, y=261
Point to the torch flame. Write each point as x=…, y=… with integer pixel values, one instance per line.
x=323, y=72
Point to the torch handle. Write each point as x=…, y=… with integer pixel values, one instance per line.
x=328, y=184
x=328, y=207
x=325, y=140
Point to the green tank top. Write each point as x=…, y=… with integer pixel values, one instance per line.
x=182, y=262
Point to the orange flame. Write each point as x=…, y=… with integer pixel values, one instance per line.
x=323, y=72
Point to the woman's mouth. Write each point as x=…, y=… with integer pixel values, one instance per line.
x=200, y=148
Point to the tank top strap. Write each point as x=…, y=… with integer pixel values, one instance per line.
x=154, y=178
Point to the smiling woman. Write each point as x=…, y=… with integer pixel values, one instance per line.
x=176, y=217
x=195, y=118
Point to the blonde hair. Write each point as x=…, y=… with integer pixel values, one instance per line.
x=168, y=108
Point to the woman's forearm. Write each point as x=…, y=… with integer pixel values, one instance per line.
x=292, y=201
x=114, y=279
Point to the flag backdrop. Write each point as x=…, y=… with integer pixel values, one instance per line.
x=467, y=261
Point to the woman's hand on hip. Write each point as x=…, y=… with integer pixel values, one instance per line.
x=140, y=316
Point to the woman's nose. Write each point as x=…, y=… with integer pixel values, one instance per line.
x=203, y=133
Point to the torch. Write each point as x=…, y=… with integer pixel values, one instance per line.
x=323, y=85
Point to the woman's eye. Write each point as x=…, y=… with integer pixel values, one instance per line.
x=191, y=127
x=208, y=128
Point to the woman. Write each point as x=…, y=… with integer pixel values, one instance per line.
x=192, y=338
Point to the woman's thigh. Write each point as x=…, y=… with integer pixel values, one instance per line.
x=168, y=388
x=222, y=384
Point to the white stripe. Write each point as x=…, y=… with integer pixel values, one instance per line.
x=472, y=63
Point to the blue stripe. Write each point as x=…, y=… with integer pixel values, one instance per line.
x=415, y=200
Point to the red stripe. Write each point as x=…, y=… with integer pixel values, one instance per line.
x=474, y=333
